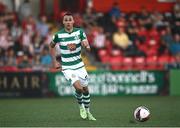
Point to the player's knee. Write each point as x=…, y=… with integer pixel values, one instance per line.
x=78, y=87
x=79, y=90
x=85, y=90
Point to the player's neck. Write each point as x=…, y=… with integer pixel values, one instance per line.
x=69, y=30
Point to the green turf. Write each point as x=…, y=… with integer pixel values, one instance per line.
x=109, y=111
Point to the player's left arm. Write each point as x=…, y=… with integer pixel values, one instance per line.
x=86, y=45
x=84, y=41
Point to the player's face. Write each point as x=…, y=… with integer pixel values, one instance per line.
x=68, y=22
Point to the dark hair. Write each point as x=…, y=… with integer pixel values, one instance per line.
x=67, y=14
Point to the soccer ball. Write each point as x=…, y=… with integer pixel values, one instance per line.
x=141, y=114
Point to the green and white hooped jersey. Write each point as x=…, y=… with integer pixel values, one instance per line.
x=70, y=59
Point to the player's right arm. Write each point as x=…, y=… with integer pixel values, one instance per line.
x=54, y=41
x=52, y=44
x=56, y=63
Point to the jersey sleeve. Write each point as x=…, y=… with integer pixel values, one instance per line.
x=55, y=38
x=82, y=35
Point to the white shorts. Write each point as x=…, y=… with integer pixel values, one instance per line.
x=79, y=74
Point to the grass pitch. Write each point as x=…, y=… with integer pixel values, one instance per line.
x=110, y=111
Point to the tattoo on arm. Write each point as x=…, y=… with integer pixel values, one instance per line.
x=52, y=45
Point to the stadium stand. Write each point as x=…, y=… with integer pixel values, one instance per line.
x=153, y=39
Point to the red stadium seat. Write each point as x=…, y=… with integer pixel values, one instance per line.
x=127, y=63
x=151, y=52
x=116, y=62
x=104, y=56
x=151, y=62
x=163, y=60
x=10, y=68
x=116, y=52
x=139, y=63
x=102, y=52
x=115, y=59
x=172, y=59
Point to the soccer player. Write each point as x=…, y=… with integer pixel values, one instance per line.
x=70, y=40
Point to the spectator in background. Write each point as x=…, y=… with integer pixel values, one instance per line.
x=46, y=59
x=5, y=39
x=176, y=27
x=121, y=39
x=2, y=8
x=36, y=64
x=42, y=26
x=99, y=41
x=176, y=9
x=115, y=12
x=176, y=18
x=48, y=38
x=25, y=10
x=175, y=45
x=166, y=36
x=37, y=43
x=144, y=19
x=26, y=42
x=6, y=15
x=175, y=51
x=29, y=25
x=132, y=31
x=158, y=19
x=108, y=23
x=24, y=62
x=132, y=27
x=144, y=14
x=3, y=25
x=89, y=17
x=9, y=58
x=16, y=31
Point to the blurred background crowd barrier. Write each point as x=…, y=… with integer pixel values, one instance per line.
x=135, y=47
